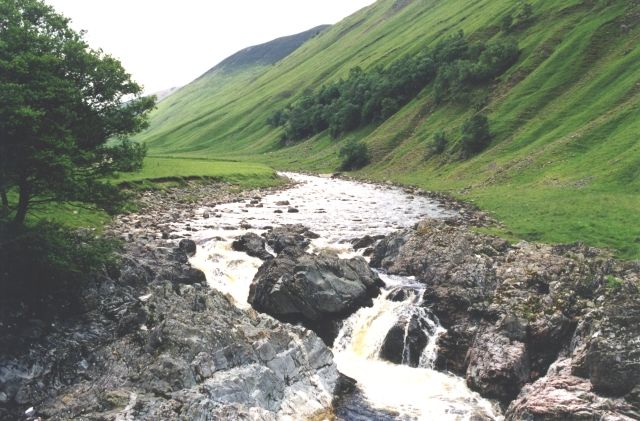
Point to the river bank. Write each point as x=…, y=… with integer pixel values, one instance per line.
x=156, y=339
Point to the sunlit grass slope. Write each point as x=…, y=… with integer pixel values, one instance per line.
x=245, y=174
x=564, y=163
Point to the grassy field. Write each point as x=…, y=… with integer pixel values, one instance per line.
x=564, y=163
x=244, y=174
x=158, y=173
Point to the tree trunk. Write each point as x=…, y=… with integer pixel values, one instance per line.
x=5, y=201
x=23, y=202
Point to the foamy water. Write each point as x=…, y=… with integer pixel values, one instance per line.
x=339, y=211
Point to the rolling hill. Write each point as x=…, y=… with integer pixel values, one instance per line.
x=564, y=159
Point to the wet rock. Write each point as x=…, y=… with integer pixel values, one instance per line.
x=293, y=210
x=498, y=367
x=398, y=294
x=188, y=246
x=190, y=276
x=253, y=245
x=295, y=236
x=406, y=340
x=387, y=250
x=315, y=290
x=365, y=241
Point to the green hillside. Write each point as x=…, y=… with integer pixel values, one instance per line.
x=564, y=161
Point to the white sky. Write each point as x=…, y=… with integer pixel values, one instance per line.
x=167, y=43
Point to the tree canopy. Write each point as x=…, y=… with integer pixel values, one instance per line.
x=455, y=67
x=60, y=104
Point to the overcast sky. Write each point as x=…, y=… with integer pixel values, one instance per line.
x=167, y=43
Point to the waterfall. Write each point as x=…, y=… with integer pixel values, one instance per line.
x=398, y=327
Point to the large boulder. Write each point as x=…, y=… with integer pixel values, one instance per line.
x=316, y=290
x=253, y=245
x=188, y=246
x=289, y=236
x=606, y=345
x=562, y=396
x=498, y=366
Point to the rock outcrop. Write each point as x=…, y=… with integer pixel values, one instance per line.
x=511, y=311
x=150, y=340
x=318, y=291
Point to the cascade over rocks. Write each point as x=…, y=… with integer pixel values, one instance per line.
x=152, y=341
x=318, y=291
x=511, y=312
x=406, y=340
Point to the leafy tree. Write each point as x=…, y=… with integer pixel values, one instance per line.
x=61, y=102
x=354, y=156
x=456, y=67
x=475, y=135
x=506, y=22
x=439, y=143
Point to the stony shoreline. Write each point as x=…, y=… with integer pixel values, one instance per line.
x=153, y=341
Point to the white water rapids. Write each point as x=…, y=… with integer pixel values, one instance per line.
x=339, y=211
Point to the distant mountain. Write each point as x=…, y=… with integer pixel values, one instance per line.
x=160, y=95
x=269, y=52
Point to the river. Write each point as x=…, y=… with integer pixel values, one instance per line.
x=339, y=211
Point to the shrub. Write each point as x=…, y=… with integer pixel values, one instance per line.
x=506, y=22
x=439, y=143
x=48, y=259
x=355, y=155
x=475, y=135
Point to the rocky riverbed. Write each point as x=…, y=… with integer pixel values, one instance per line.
x=153, y=341
x=549, y=332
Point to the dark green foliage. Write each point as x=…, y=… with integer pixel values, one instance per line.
x=468, y=65
x=476, y=135
x=60, y=103
x=439, y=143
x=506, y=22
x=355, y=155
x=525, y=13
x=455, y=65
x=48, y=259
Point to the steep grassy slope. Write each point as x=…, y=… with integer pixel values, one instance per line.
x=564, y=164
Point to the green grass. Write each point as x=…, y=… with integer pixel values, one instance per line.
x=564, y=164
x=157, y=172
x=244, y=174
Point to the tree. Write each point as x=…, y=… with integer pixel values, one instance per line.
x=60, y=103
x=354, y=156
x=439, y=143
x=506, y=23
x=475, y=135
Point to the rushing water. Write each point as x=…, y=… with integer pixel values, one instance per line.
x=339, y=211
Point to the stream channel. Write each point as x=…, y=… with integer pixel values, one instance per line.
x=339, y=211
